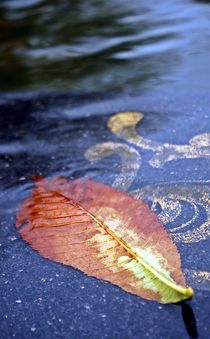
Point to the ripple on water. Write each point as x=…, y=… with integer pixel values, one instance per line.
x=114, y=44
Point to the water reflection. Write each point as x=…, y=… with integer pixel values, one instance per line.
x=107, y=45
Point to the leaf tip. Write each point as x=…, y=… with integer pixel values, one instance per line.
x=189, y=292
x=36, y=177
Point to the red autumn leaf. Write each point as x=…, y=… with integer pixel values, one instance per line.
x=104, y=233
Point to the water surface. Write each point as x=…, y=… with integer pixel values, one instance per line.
x=83, y=46
x=104, y=45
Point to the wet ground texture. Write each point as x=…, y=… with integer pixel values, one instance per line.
x=50, y=134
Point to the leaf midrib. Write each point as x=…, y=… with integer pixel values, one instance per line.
x=186, y=291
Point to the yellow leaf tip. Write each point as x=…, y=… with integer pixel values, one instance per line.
x=189, y=292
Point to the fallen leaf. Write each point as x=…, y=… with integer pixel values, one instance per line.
x=106, y=234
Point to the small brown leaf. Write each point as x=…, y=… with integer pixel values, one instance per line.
x=104, y=233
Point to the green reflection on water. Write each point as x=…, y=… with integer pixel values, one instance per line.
x=92, y=45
